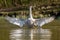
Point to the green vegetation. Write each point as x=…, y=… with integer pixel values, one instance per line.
x=12, y=3
x=23, y=5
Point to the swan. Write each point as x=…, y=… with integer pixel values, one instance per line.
x=30, y=21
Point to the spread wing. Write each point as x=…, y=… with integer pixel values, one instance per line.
x=16, y=21
x=40, y=22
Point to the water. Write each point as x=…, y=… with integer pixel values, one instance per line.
x=29, y=34
x=32, y=34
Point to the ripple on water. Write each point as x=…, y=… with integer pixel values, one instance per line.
x=30, y=34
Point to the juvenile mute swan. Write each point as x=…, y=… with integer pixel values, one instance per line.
x=30, y=21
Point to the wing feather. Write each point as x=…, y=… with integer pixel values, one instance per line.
x=40, y=22
x=16, y=21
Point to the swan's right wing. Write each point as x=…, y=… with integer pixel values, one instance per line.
x=40, y=22
x=16, y=21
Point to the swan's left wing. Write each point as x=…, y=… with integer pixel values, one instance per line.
x=40, y=22
x=16, y=21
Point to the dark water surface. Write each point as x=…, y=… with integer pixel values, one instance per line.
x=29, y=34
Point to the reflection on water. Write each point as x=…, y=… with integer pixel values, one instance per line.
x=30, y=34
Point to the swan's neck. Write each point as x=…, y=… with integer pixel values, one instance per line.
x=31, y=17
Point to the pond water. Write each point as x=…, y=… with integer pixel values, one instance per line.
x=29, y=34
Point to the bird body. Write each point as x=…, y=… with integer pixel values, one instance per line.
x=30, y=21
